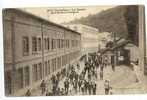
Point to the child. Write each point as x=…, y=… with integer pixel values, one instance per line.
x=107, y=87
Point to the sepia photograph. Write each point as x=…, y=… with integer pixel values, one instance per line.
x=74, y=50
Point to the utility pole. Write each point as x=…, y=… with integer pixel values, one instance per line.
x=115, y=51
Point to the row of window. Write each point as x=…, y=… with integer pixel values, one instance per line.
x=23, y=74
x=49, y=44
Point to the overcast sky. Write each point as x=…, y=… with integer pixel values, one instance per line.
x=55, y=13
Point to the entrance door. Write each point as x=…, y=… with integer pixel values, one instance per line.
x=127, y=57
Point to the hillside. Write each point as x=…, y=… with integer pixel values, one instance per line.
x=122, y=20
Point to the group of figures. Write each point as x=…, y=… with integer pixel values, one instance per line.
x=77, y=79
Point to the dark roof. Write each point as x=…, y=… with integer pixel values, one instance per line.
x=119, y=45
x=38, y=18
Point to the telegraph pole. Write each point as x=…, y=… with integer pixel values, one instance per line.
x=114, y=52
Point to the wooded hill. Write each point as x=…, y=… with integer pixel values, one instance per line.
x=122, y=20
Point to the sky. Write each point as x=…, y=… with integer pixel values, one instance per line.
x=65, y=14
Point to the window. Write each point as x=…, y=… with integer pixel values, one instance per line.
x=19, y=78
x=48, y=46
x=68, y=58
x=68, y=44
x=49, y=67
x=75, y=43
x=39, y=44
x=25, y=46
x=53, y=43
x=35, y=75
x=34, y=44
x=54, y=64
x=46, y=68
x=62, y=43
x=26, y=76
x=40, y=76
x=63, y=60
x=45, y=44
x=72, y=43
x=58, y=43
x=58, y=62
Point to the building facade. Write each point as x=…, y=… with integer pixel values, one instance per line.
x=89, y=37
x=34, y=49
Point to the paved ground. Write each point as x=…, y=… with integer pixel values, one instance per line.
x=122, y=80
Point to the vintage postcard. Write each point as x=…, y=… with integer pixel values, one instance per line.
x=74, y=50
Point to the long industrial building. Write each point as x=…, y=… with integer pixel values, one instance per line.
x=34, y=49
x=92, y=39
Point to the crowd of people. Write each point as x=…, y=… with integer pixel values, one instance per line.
x=77, y=79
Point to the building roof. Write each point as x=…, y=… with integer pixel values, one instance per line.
x=38, y=18
x=121, y=44
x=118, y=45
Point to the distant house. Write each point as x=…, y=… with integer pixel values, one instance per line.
x=123, y=52
x=127, y=53
x=134, y=52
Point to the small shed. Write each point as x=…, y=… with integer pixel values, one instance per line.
x=134, y=52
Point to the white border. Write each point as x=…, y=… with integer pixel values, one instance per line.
x=50, y=3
